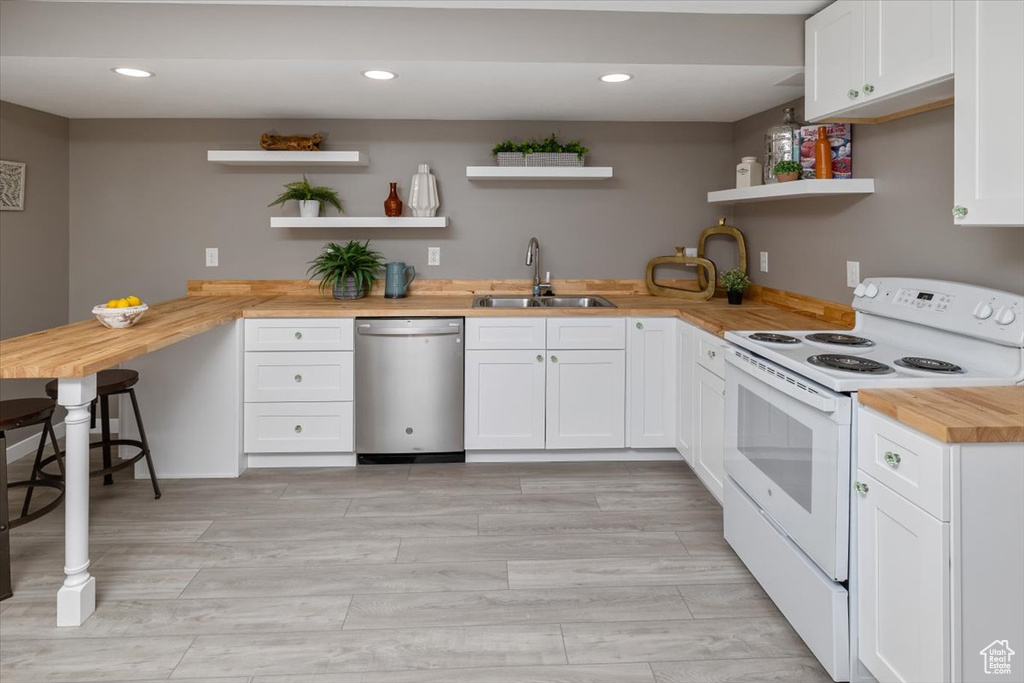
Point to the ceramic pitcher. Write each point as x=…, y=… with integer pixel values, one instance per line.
x=397, y=277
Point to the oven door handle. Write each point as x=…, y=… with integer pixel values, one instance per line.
x=788, y=383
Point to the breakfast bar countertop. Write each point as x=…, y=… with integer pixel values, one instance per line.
x=955, y=414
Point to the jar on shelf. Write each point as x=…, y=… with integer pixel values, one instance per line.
x=781, y=143
x=748, y=172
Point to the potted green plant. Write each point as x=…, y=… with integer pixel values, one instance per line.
x=735, y=282
x=349, y=270
x=311, y=198
x=787, y=170
x=546, y=152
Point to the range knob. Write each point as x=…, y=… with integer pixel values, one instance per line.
x=860, y=290
x=871, y=291
x=1005, y=316
x=982, y=310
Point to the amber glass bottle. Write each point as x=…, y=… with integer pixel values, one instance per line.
x=822, y=154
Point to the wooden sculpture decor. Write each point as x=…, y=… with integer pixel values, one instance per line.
x=292, y=143
x=721, y=229
x=705, y=268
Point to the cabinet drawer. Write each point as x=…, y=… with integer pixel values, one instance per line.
x=586, y=333
x=299, y=334
x=298, y=427
x=906, y=461
x=708, y=350
x=504, y=334
x=298, y=376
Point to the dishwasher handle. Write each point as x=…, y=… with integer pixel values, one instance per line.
x=367, y=329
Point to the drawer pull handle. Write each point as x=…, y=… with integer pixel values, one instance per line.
x=298, y=429
x=298, y=378
x=298, y=335
x=540, y=358
x=639, y=326
x=860, y=487
x=554, y=359
x=892, y=459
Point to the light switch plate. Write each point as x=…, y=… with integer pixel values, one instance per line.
x=764, y=261
x=852, y=273
x=433, y=256
x=212, y=257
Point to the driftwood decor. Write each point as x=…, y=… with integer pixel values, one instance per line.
x=705, y=272
x=292, y=143
x=729, y=231
x=12, y=186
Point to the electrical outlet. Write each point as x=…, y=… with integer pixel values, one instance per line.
x=852, y=273
x=690, y=251
x=433, y=256
x=764, y=261
x=212, y=257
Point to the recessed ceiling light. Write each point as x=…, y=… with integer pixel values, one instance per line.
x=379, y=75
x=616, y=78
x=133, y=73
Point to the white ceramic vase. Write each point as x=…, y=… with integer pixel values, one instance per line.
x=309, y=208
x=423, y=199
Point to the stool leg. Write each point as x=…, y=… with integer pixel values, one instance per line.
x=56, y=447
x=35, y=469
x=5, y=532
x=145, y=443
x=108, y=479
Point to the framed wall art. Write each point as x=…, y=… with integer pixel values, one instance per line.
x=12, y=186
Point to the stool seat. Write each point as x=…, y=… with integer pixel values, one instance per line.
x=116, y=381
x=22, y=412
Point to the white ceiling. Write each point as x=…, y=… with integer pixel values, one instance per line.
x=455, y=60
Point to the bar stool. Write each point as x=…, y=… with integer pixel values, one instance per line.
x=15, y=413
x=113, y=383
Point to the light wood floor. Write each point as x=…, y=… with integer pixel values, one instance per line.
x=531, y=573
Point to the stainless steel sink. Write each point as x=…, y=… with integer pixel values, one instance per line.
x=490, y=301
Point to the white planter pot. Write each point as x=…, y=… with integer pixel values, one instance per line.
x=309, y=208
x=423, y=199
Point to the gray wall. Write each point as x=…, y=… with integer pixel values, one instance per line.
x=905, y=228
x=34, y=242
x=146, y=202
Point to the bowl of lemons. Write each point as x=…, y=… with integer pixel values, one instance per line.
x=120, y=313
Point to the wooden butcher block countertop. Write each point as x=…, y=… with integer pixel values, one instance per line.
x=955, y=414
x=86, y=347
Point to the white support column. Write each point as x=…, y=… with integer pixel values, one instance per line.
x=76, y=599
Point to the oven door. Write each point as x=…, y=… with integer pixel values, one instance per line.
x=787, y=445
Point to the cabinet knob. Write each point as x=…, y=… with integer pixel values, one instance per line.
x=959, y=211
x=298, y=429
x=869, y=88
x=892, y=459
x=711, y=353
x=298, y=378
x=298, y=335
x=639, y=326
x=860, y=487
x=554, y=359
x=853, y=94
x=540, y=358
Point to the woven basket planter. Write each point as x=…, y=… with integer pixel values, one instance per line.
x=540, y=159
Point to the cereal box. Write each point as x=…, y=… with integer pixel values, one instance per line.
x=842, y=153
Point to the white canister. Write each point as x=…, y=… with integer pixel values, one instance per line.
x=748, y=172
x=423, y=199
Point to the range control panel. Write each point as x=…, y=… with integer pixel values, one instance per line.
x=965, y=309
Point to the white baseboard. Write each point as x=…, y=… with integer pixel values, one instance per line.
x=263, y=460
x=28, y=446
x=654, y=454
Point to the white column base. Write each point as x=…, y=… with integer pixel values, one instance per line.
x=76, y=603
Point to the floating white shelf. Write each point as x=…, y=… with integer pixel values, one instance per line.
x=262, y=157
x=538, y=172
x=359, y=222
x=795, y=189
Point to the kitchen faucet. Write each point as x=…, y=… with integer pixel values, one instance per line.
x=533, y=259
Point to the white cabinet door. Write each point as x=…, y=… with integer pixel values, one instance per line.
x=684, y=391
x=908, y=44
x=586, y=399
x=903, y=603
x=504, y=399
x=709, y=429
x=988, y=114
x=651, y=348
x=834, y=59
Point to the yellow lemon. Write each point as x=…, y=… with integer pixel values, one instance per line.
x=112, y=303
x=134, y=300
x=123, y=303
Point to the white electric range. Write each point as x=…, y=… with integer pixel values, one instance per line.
x=790, y=424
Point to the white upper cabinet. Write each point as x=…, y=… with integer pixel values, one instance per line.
x=872, y=58
x=988, y=188
x=652, y=382
x=833, y=58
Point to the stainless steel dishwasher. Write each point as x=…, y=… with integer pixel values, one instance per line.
x=408, y=385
